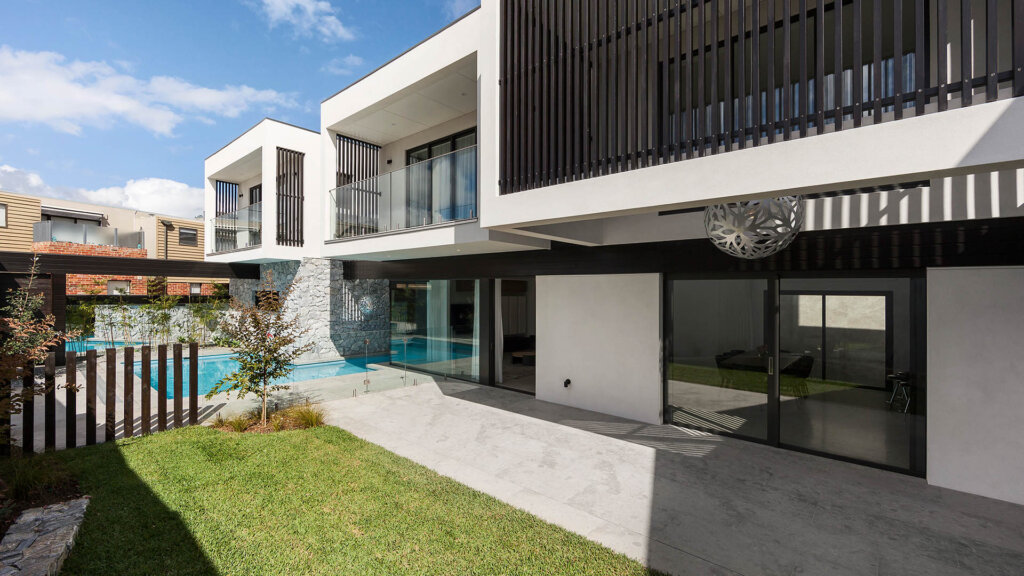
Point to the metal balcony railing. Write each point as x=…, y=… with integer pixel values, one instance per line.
x=61, y=231
x=242, y=228
x=434, y=191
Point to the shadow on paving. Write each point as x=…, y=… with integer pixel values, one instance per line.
x=127, y=530
x=745, y=508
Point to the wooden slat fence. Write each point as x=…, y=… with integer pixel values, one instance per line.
x=124, y=423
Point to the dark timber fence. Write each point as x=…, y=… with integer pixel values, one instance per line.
x=593, y=87
x=132, y=388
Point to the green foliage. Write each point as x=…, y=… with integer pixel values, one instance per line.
x=26, y=336
x=239, y=423
x=307, y=415
x=157, y=313
x=266, y=342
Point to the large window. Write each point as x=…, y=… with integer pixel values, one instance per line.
x=435, y=326
x=830, y=366
x=443, y=189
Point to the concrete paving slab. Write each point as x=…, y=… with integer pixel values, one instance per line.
x=687, y=502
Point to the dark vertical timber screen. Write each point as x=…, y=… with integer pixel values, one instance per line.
x=357, y=199
x=289, y=197
x=227, y=197
x=593, y=87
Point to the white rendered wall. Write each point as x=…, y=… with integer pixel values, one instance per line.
x=976, y=381
x=602, y=332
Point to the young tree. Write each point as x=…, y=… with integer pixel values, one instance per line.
x=267, y=341
x=26, y=336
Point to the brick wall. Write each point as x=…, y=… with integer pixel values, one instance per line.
x=182, y=289
x=82, y=284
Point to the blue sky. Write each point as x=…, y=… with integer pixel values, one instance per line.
x=118, y=102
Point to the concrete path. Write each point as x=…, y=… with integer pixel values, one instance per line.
x=685, y=502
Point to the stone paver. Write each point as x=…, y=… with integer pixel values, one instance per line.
x=41, y=538
x=687, y=502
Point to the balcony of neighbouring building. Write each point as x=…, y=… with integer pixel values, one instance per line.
x=437, y=191
x=59, y=231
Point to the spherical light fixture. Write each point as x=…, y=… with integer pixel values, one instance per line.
x=365, y=305
x=756, y=228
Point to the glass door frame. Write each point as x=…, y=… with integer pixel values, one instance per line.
x=773, y=321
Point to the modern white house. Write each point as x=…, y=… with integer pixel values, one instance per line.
x=525, y=200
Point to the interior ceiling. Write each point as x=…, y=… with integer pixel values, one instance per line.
x=438, y=98
x=248, y=166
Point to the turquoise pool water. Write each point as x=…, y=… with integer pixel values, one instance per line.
x=83, y=345
x=213, y=368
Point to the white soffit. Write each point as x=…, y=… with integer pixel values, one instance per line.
x=444, y=96
x=246, y=167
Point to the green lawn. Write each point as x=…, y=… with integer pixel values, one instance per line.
x=318, y=501
x=752, y=381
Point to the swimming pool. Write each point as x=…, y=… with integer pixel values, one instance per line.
x=91, y=344
x=417, y=352
x=215, y=367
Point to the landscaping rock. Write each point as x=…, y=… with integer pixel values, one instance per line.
x=41, y=539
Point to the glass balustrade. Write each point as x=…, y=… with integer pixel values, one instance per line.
x=76, y=233
x=242, y=228
x=435, y=191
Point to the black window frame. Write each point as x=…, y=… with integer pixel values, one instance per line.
x=195, y=236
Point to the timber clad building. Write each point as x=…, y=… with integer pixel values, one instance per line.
x=534, y=187
x=57, y=226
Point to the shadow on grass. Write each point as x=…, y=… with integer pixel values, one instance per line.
x=127, y=529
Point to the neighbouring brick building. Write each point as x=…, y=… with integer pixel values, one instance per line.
x=56, y=226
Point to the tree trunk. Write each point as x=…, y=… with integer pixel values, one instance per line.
x=264, y=402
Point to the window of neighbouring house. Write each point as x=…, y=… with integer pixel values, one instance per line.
x=3, y=215
x=188, y=236
x=115, y=287
x=195, y=289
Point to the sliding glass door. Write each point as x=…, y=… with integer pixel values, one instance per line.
x=718, y=356
x=435, y=326
x=824, y=365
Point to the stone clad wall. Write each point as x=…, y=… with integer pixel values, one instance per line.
x=339, y=314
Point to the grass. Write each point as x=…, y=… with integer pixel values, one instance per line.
x=752, y=381
x=314, y=501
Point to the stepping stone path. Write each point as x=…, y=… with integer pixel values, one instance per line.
x=38, y=543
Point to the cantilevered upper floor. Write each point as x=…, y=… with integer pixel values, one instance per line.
x=263, y=195
x=400, y=156
x=610, y=109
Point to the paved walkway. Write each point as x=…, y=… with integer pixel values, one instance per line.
x=685, y=502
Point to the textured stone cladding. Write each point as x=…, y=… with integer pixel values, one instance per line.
x=84, y=284
x=340, y=315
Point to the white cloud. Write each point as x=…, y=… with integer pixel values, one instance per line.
x=343, y=66
x=456, y=8
x=147, y=194
x=307, y=17
x=45, y=88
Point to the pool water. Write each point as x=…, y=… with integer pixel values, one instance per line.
x=84, y=345
x=213, y=368
x=417, y=352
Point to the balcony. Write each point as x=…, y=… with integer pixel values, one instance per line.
x=61, y=231
x=441, y=190
x=237, y=230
